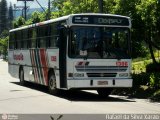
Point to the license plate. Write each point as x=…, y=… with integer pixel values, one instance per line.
x=102, y=82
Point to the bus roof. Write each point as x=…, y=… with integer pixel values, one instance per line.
x=66, y=18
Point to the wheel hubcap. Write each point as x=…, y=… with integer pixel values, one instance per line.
x=52, y=83
x=21, y=78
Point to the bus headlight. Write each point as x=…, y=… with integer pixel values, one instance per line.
x=78, y=75
x=123, y=74
x=75, y=74
x=70, y=74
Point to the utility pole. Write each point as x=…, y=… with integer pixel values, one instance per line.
x=25, y=10
x=100, y=5
x=49, y=9
x=47, y=12
x=17, y=8
x=25, y=7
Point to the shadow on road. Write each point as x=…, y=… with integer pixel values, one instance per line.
x=75, y=95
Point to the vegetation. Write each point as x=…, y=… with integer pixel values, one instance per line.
x=3, y=16
x=4, y=43
x=146, y=81
x=6, y=18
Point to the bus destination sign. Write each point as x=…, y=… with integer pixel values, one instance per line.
x=101, y=20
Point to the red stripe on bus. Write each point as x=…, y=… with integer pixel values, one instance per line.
x=44, y=65
x=31, y=54
x=34, y=66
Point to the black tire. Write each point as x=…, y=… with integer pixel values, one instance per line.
x=104, y=92
x=21, y=77
x=52, y=84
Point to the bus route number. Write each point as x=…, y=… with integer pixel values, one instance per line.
x=122, y=63
x=53, y=58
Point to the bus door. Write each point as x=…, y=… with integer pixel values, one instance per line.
x=62, y=57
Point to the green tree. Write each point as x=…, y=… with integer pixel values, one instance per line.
x=109, y=6
x=149, y=11
x=19, y=22
x=4, y=46
x=0, y=17
x=35, y=17
x=3, y=16
x=10, y=15
x=66, y=7
x=4, y=43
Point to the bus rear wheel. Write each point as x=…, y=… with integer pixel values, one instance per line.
x=52, y=84
x=21, y=77
x=104, y=92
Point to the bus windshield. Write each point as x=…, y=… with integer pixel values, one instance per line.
x=99, y=42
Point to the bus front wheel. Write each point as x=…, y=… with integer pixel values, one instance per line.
x=52, y=84
x=104, y=92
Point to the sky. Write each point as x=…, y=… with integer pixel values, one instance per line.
x=34, y=4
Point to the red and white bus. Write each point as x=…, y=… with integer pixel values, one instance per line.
x=78, y=51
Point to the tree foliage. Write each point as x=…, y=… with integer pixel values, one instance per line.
x=10, y=15
x=151, y=19
x=3, y=15
x=4, y=43
x=3, y=27
x=19, y=22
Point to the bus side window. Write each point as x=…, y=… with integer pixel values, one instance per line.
x=57, y=36
x=48, y=36
x=38, y=39
x=33, y=39
x=18, y=36
x=15, y=40
x=43, y=35
x=21, y=40
x=25, y=38
x=11, y=40
x=29, y=36
x=54, y=33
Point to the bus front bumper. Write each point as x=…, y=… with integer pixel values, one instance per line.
x=99, y=83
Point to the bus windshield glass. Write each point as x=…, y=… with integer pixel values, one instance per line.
x=99, y=42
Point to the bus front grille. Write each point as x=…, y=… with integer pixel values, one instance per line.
x=101, y=74
x=102, y=69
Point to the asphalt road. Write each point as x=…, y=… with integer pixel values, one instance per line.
x=34, y=99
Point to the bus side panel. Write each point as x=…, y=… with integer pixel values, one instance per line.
x=11, y=65
x=70, y=71
x=21, y=58
x=39, y=63
x=27, y=66
x=12, y=70
x=28, y=74
x=53, y=60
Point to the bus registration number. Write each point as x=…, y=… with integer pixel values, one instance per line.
x=102, y=82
